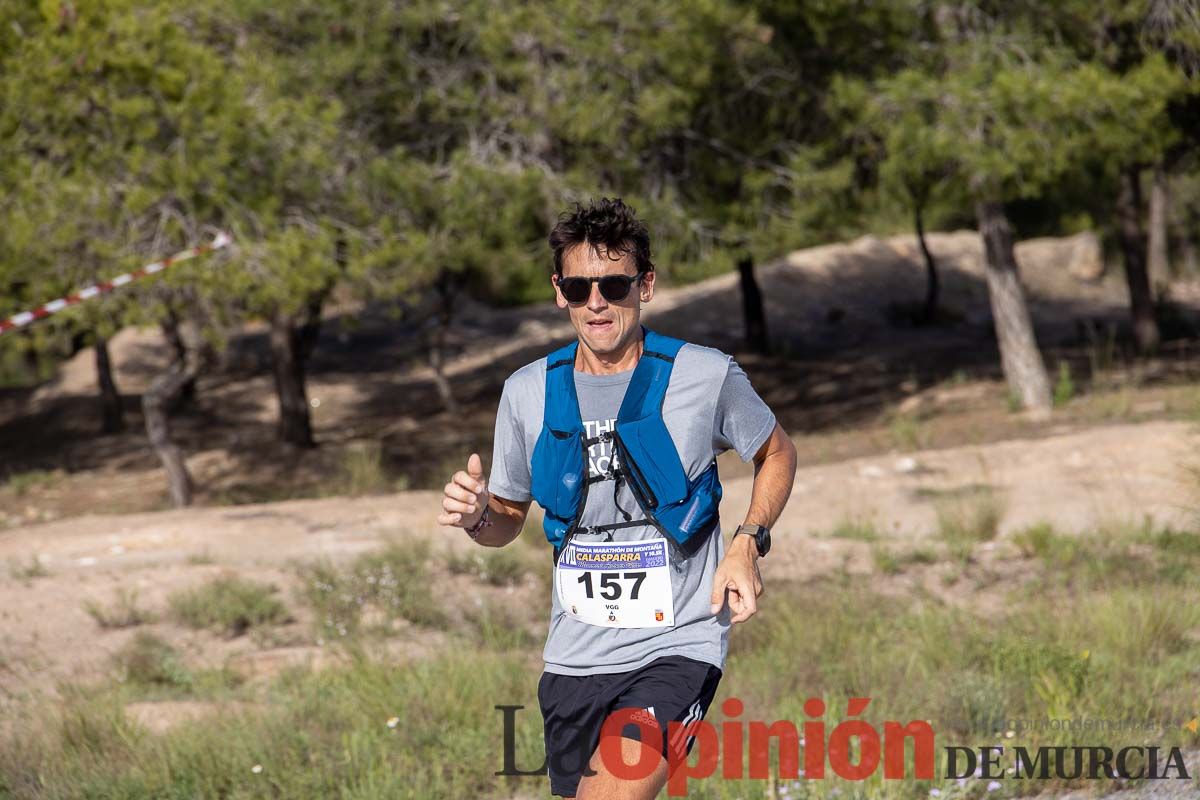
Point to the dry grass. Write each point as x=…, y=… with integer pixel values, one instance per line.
x=123, y=613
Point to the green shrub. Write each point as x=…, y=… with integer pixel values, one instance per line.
x=148, y=660
x=1064, y=388
x=505, y=566
x=885, y=560
x=908, y=432
x=393, y=582
x=1179, y=543
x=363, y=470
x=21, y=482
x=966, y=521
x=1036, y=541
x=33, y=568
x=228, y=603
x=892, y=561
x=857, y=528
x=499, y=626
x=124, y=613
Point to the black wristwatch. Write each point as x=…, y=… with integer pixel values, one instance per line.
x=762, y=537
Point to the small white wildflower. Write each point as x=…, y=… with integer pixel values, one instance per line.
x=935, y=792
x=393, y=722
x=993, y=786
x=257, y=768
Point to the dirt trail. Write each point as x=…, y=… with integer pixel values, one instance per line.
x=1076, y=480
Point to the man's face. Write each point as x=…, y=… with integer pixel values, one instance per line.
x=604, y=326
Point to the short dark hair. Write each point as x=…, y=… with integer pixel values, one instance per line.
x=605, y=223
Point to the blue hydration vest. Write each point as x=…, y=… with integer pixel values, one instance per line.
x=678, y=507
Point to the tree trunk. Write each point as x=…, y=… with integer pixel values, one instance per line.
x=1189, y=256
x=1133, y=247
x=932, y=287
x=1158, y=260
x=163, y=395
x=1024, y=369
x=287, y=362
x=753, y=315
x=437, y=343
x=170, y=329
x=111, y=407
x=293, y=338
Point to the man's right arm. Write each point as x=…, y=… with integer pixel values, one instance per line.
x=463, y=502
x=508, y=520
x=469, y=491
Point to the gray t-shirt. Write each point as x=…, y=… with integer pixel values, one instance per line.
x=734, y=417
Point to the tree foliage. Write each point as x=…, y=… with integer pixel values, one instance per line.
x=402, y=149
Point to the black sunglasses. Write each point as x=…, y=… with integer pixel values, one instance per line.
x=614, y=288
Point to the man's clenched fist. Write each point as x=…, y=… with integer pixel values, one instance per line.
x=466, y=496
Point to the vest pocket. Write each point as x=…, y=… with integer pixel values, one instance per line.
x=637, y=481
x=653, y=461
x=697, y=513
x=558, y=478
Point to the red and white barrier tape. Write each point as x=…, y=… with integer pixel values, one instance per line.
x=46, y=309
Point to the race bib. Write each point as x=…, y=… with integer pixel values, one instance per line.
x=616, y=584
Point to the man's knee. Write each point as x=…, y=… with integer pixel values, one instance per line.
x=625, y=768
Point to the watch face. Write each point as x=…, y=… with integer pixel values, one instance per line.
x=762, y=538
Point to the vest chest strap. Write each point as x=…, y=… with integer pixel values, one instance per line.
x=612, y=526
x=603, y=437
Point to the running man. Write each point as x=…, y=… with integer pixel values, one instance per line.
x=616, y=436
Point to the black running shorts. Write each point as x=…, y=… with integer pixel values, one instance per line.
x=574, y=708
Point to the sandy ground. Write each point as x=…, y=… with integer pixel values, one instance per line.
x=1076, y=480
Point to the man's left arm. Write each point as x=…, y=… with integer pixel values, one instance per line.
x=737, y=577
